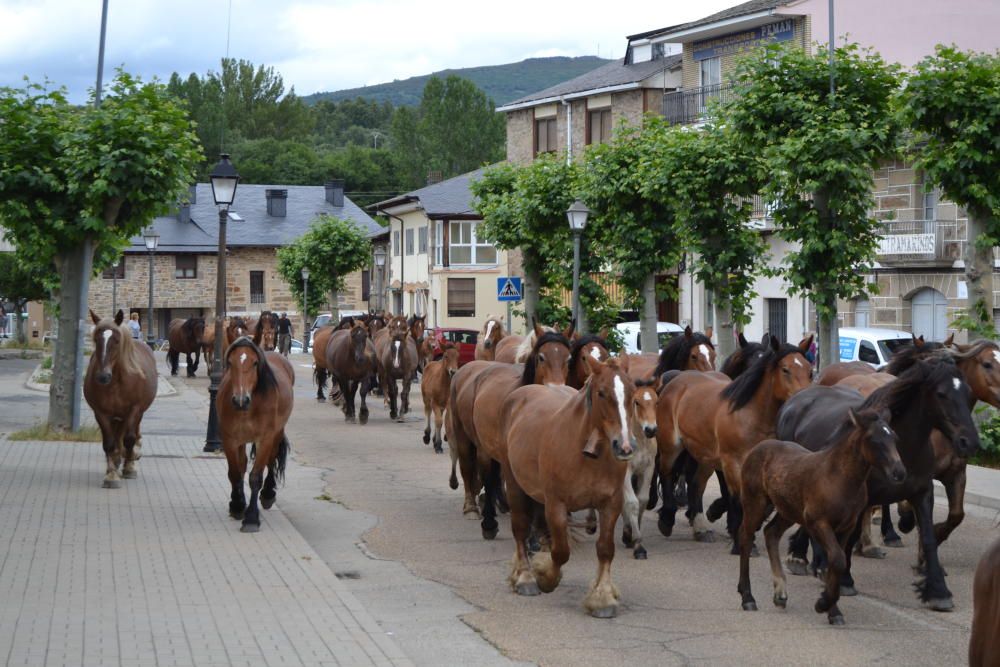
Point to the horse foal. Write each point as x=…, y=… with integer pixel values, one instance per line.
x=435, y=387
x=825, y=491
x=640, y=467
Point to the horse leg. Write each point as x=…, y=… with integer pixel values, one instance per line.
x=491, y=481
x=847, y=588
x=109, y=439
x=521, y=579
x=391, y=391
x=866, y=547
x=720, y=505
x=236, y=457
x=363, y=390
x=696, y=489
x=265, y=452
x=173, y=357
x=954, y=486
x=406, y=394
x=602, y=600
x=438, y=423
x=129, y=440
x=630, y=510
x=654, y=484
x=756, y=509
x=668, y=510
x=270, y=491
x=347, y=391
x=798, y=553
x=772, y=540
x=463, y=451
x=890, y=537
x=836, y=562
x=320, y=384
x=932, y=589
x=427, y=422
x=197, y=359
x=191, y=366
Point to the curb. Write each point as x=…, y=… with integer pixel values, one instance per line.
x=20, y=354
x=163, y=386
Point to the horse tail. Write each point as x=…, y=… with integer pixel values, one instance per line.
x=281, y=459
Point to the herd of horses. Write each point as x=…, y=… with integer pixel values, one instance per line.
x=551, y=423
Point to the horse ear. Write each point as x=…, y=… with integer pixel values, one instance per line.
x=539, y=331
x=765, y=340
x=775, y=343
x=94, y=317
x=708, y=332
x=855, y=418
x=950, y=340
x=593, y=365
x=568, y=333
x=742, y=340
x=119, y=317
x=805, y=343
x=623, y=362
x=687, y=331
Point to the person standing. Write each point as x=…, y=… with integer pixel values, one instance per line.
x=133, y=326
x=284, y=334
x=3, y=322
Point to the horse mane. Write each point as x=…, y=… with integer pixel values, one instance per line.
x=258, y=330
x=740, y=391
x=531, y=363
x=577, y=349
x=911, y=354
x=345, y=323
x=676, y=351
x=527, y=345
x=189, y=325
x=127, y=352
x=897, y=396
x=974, y=349
x=648, y=382
x=735, y=363
x=266, y=381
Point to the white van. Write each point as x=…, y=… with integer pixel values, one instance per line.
x=871, y=345
x=630, y=334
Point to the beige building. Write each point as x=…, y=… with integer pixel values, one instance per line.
x=261, y=220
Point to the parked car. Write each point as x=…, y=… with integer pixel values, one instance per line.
x=296, y=346
x=630, y=335
x=464, y=338
x=871, y=345
x=324, y=318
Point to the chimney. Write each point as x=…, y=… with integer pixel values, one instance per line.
x=193, y=194
x=276, y=202
x=335, y=192
x=434, y=177
x=184, y=212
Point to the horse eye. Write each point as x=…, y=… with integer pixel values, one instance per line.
x=987, y=365
x=600, y=392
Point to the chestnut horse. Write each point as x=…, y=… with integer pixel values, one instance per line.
x=642, y=466
x=546, y=433
x=120, y=385
x=984, y=645
x=824, y=491
x=233, y=327
x=265, y=331
x=396, y=359
x=475, y=425
x=185, y=336
x=491, y=334
x=718, y=422
x=594, y=346
x=690, y=351
x=320, y=370
x=514, y=349
x=435, y=387
x=254, y=403
x=350, y=360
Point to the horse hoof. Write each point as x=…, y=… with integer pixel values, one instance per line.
x=250, y=528
x=129, y=474
x=873, y=552
x=112, y=484
x=750, y=606
x=628, y=542
x=605, y=612
x=837, y=620
x=848, y=591
x=940, y=604
x=639, y=553
x=666, y=529
x=266, y=503
x=427, y=438
x=490, y=534
x=438, y=449
x=236, y=514
x=894, y=543
x=363, y=418
x=780, y=601
x=321, y=399
x=528, y=589
x=797, y=566
x=704, y=536
x=453, y=482
x=591, y=529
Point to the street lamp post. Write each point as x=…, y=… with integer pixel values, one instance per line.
x=224, y=181
x=577, y=215
x=379, y=268
x=152, y=239
x=114, y=286
x=305, y=309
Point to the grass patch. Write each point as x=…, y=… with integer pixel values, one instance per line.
x=29, y=344
x=43, y=377
x=986, y=459
x=324, y=496
x=47, y=363
x=42, y=431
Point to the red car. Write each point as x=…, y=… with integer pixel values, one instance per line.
x=465, y=339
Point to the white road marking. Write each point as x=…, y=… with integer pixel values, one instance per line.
x=620, y=397
x=704, y=351
x=957, y=383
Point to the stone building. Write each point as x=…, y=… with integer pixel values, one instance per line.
x=262, y=219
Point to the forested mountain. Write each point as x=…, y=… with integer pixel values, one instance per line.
x=501, y=83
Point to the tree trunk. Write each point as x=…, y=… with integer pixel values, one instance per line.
x=19, y=323
x=978, y=275
x=65, y=393
x=532, y=281
x=648, y=340
x=724, y=330
x=829, y=336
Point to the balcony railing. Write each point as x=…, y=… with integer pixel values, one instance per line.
x=683, y=107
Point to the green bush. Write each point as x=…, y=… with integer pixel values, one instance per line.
x=47, y=363
x=989, y=440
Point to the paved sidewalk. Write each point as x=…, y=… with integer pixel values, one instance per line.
x=157, y=574
x=982, y=487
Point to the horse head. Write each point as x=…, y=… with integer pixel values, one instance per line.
x=450, y=359
x=594, y=346
x=492, y=331
x=644, y=406
x=793, y=371
x=359, y=341
x=237, y=327
x=741, y=359
x=194, y=329
x=980, y=364
x=548, y=362
x=266, y=331
x=416, y=325
x=248, y=371
x=948, y=406
x=398, y=333
x=609, y=394
x=692, y=351
x=878, y=442
x=109, y=338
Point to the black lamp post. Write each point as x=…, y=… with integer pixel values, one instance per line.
x=379, y=269
x=114, y=286
x=152, y=239
x=305, y=309
x=224, y=181
x=577, y=215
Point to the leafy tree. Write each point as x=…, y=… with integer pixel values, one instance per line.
x=952, y=102
x=76, y=179
x=331, y=249
x=19, y=284
x=639, y=229
x=709, y=179
x=817, y=152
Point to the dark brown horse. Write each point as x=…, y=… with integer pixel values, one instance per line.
x=186, y=336
x=690, y=351
x=254, y=403
x=824, y=491
x=546, y=431
x=350, y=358
x=265, y=331
x=396, y=356
x=984, y=645
x=120, y=385
x=491, y=334
x=435, y=387
x=747, y=352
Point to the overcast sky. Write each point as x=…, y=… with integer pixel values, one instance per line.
x=318, y=45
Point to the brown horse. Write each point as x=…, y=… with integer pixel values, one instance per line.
x=120, y=385
x=396, y=356
x=233, y=327
x=547, y=430
x=475, y=426
x=690, y=351
x=435, y=387
x=514, y=349
x=491, y=334
x=265, y=331
x=825, y=491
x=185, y=336
x=350, y=360
x=254, y=403
x=594, y=346
x=718, y=422
x=641, y=466
x=320, y=370
x=984, y=645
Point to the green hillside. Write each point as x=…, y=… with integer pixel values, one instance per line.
x=503, y=83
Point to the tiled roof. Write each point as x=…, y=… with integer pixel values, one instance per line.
x=616, y=73
x=751, y=7
x=256, y=228
x=450, y=197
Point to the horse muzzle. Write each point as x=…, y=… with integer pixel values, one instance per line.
x=451, y=372
x=104, y=378
x=241, y=402
x=487, y=344
x=966, y=447
x=897, y=472
x=649, y=431
x=623, y=451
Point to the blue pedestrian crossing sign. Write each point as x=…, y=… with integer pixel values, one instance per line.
x=509, y=289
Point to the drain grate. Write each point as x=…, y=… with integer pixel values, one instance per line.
x=348, y=574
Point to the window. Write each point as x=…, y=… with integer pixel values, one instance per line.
x=409, y=241
x=461, y=297
x=395, y=244
x=397, y=301
x=545, y=135
x=422, y=240
x=868, y=354
x=256, y=287
x=115, y=272
x=186, y=266
x=777, y=318
x=930, y=204
x=438, y=243
x=599, y=126
x=659, y=51
x=711, y=78
x=465, y=248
